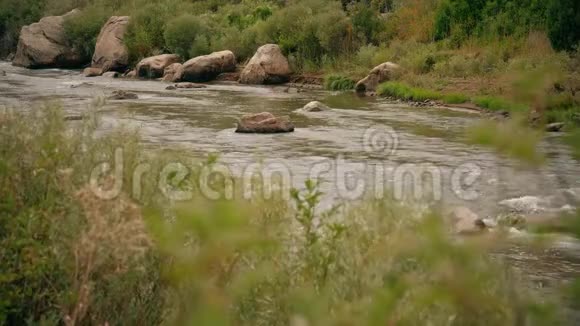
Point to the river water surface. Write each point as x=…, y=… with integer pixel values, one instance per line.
x=368, y=139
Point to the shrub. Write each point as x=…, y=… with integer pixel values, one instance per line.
x=83, y=29
x=338, y=83
x=186, y=36
x=145, y=34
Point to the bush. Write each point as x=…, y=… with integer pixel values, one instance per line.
x=83, y=29
x=455, y=98
x=187, y=36
x=145, y=34
x=338, y=83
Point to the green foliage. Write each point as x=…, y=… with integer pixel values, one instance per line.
x=563, y=21
x=498, y=104
x=338, y=83
x=83, y=29
x=408, y=93
x=455, y=98
x=187, y=36
x=145, y=34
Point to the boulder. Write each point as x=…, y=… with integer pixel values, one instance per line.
x=123, y=95
x=154, y=67
x=92, y=72
x=314, y=106
x=170, y=72
x=111, y=54
x=111, y=74
x=465, y=221
x=206, y=67
x=379, y=74
x=44, y=45
x=131, y=74
x=267, y=66
x=555, y=127
x=264, y=123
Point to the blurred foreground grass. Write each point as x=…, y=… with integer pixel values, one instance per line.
x=69, y=257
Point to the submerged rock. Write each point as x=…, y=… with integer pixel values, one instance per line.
x=555, y=127
x=377, y=75
x=186, y=85
x=206, y=67
x=111, y=54
x=264, y=123
x=314, y=106
x=154, y=67
x=3, y=73
x=44, y=44
x=123, y=95
x=267, y=66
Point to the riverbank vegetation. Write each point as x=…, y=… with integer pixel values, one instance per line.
x=473, y=48
x=74, y=254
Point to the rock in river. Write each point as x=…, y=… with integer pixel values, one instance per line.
x=45, y=45
x=379, y=74
x=314, y=106
x=268, y=66
x=92, y=72
x=206, y=67
x=111, y=54
x=123, y=95
x=264, y=123
x=154, y=67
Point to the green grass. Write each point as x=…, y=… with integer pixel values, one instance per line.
x=338, y=83
x=406, y=92
x=455, y=98
x=494, y=103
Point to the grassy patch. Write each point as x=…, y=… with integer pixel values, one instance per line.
x=494, y=103
x=406, y=92
x=455, y=98
x=338, y=83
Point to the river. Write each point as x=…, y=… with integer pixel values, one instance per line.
x=367, y=140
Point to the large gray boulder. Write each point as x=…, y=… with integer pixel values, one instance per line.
x=268, y=66
x=154, y=67
x=111, y=54
x=206, y=67
x=379, y=74
x=264, y=123
x=44, y=45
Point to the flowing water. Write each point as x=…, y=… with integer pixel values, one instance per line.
x=358, y=147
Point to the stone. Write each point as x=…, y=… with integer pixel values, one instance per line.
x=314, y=106
x=44, y=45
x=187, y=85
x=555, y=127
x=379, y=74
x=123, y=95
x=207, y=67
x=267, y=66
x=465, y=221
x=264, y=123
x=154, y=67
x=111, y=74
x=111, y=54
x=131, y=74
x=92, y=72
x=170, y=72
